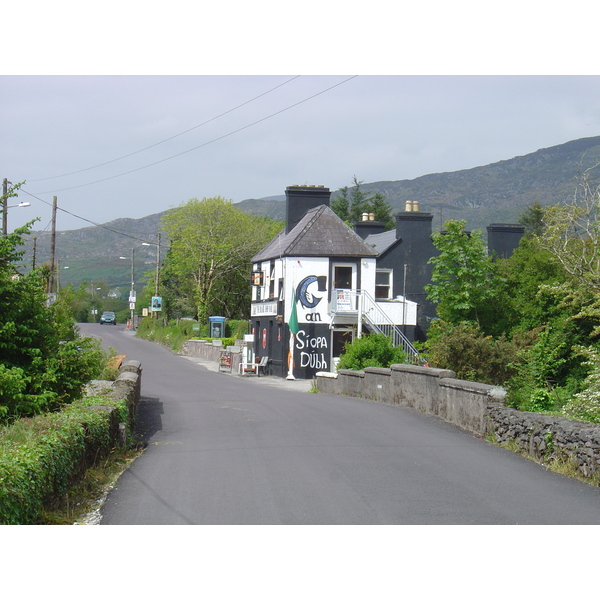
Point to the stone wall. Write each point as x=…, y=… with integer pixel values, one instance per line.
x=473, y=406
x=211, y=351
x=544, y=437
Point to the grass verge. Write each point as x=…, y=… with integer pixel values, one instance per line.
x=81, y=503
x=557, y=463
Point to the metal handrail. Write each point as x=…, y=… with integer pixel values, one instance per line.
x=371, y=313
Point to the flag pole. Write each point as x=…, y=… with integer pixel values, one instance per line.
x=293, y=325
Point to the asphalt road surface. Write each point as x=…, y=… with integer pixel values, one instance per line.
x=224, y=449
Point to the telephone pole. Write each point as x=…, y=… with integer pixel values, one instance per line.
x=5, y=207
x=52, y=247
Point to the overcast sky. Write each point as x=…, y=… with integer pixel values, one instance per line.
x=110, y=144
x=56, y=131
x=130, y=146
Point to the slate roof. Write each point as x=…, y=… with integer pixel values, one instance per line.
x=319, y=233
x=381, y=242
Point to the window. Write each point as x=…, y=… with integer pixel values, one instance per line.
x=342, y=278
x=383, y=284
x=272, y=281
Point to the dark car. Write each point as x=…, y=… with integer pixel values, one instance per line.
x=108, y=317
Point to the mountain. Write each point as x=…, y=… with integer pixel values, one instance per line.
x=495, y=193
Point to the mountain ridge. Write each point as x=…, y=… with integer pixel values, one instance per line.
x=493, y=193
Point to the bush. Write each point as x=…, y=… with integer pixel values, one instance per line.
x=473, y=356
x=585, y=405
x=548, y=371
x=374, y=350
x=237, y=329
x=40, y=457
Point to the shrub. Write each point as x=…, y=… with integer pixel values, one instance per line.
x=585, y=405
x=237, y=329
x=374, y=350
x=473, y=356
x=40, y=457
x=44, y=362
x=548, y=371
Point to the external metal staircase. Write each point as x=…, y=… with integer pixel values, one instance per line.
x=364, y=306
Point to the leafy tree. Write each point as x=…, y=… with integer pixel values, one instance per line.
x=463, y=281
x=528, y=298
x=571, y=234
x=43, y=361
x=585, y=405
x=208, y=263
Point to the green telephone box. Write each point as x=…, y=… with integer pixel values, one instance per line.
x=216, y=326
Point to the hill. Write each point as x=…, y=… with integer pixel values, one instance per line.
x=495, y=193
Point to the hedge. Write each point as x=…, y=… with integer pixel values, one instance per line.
x=42, y=456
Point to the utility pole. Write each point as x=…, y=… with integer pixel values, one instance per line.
x=52, y=247
x=157, y=265
x=5, y=207
x=132, y=291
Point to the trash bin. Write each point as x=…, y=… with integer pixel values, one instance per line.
x=216, y=327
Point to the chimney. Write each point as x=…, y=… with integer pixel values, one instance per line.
x=367, y=226
x=299, y=199
x=504, y=238
x=414, y=225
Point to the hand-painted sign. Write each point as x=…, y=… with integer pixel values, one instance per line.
x=307, y=299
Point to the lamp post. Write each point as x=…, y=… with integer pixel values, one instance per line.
x=132, y=289
x=157, y=264
x=5, y=208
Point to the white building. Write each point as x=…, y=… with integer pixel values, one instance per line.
x=321, y=274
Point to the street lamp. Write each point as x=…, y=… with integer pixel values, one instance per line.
x=157, y=262
x=132, y=289
x=5, y=208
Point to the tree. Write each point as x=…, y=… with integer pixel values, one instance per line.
x=43, y=361
x=340, y=205
x=350, y=204
x=382, y=210
x=571, y=233
x=208, y=262
x=462, y=275
x=533, y=219
x=527, y=300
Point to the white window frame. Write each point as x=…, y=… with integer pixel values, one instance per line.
x=389, y=285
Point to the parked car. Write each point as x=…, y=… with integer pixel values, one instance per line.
x=108, y=317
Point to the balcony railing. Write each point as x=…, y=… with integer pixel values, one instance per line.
x=366, y=309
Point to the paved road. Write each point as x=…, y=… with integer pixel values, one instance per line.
x=229, y=450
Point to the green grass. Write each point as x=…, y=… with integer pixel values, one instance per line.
x=83, y=499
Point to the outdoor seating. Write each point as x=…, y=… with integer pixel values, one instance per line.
x=253, y=367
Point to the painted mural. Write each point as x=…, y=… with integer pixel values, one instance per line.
x=309, y=328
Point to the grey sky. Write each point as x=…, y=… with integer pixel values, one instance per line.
x=374, y=127
x=69, y=102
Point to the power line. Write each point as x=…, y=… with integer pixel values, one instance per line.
x=204, y=144
x=88, y=220
x=108, y=162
